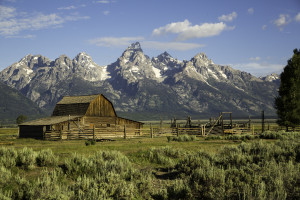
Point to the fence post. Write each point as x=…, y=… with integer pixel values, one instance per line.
x=125, y=132
x=93, y=132
x=177, y=131
x=252, y=129
x=60, y=134
x=262, y=121
x=151, y=130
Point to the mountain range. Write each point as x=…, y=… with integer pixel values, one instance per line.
x=144, y=88
x=13, y=104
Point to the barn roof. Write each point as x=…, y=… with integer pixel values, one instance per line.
x=50, y=120
x=77, y=99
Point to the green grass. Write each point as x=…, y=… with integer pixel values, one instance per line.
x=262, y=167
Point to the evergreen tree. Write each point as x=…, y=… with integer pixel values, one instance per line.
x=20, y=119
x=288, y=101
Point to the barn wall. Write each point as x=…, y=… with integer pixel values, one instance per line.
x=101, y=107
x=31, y=132
x=128, y=123
x=70, y=109
x=100, y=122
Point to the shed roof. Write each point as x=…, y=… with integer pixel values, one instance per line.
x=50, y=120
x=78, y=99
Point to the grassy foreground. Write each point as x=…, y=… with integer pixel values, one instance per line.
x=233, y=167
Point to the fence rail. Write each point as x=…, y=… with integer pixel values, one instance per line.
x=124, y=132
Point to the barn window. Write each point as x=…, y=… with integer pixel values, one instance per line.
x=48, y=128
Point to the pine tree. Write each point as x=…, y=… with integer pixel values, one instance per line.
x=20, y=119
x=288, y=101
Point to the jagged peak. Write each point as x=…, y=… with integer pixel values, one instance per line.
x=27, y=57
x=165, y=55
x=62, y=57
x=201, y=56
x=82, y=56
x=135, y=46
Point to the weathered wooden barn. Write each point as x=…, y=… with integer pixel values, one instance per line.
x=77, y=113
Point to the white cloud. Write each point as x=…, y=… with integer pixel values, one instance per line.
x=164, y=46
x=264, y=27
x=6, y=12
x=22, y=36
x=228, y=18
x=114, y=41
x=186, y=31
x=258, y=69
x=126, y=41
x=106, y=12
x=12, y=22
x=257, y=58
x=71, y=7
x=297, y=17
x=282, y=21
x=103, y=1
x=250, y=11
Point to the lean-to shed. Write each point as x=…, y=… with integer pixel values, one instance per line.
x=77, y=112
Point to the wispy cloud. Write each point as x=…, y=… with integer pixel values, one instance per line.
x=264, y=27
x=257, y=58
x=186, y=31
x=250, y=11
x=12, y=22
x=228, y=18
x=22, y=36
x=6, y=12
x=106, y=12
x=114, y=41
x=258, y=68
x=179, y=46
x=103, y=1
x=282, y=21
x=71, y=7
x=297, y=17
x=126, y=41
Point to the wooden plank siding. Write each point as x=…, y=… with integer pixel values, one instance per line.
x=70, y=109
x=101, y=107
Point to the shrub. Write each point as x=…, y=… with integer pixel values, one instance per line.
x=179, y=190
x=181, y=138
x=46, y=158
x=26, y=158
x=5, y=175
x=90, y=142
x=213, y=137
x=8, y=157
x=163, y=155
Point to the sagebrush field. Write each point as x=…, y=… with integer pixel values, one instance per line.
x=265, y=166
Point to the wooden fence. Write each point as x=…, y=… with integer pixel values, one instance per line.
x=124, y=132
x=121, y=132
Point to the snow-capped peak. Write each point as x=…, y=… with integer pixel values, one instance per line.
x=201, y=59
x=83, y=58
x=270, y=78
x=135, y=46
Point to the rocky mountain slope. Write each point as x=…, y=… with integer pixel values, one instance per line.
x=145, y=88
x=13, y=104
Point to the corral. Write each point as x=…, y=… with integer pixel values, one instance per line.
x=77, y=114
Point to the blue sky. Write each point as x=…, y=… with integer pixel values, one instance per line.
x=257, y=36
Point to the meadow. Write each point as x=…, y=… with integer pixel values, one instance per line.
x=262, y=166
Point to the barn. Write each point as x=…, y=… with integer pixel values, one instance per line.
x=77, y=112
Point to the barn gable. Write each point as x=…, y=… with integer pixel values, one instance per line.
x=101, y=107
x=91, y=105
